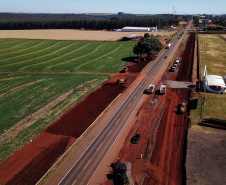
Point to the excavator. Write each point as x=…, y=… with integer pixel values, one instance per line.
x=119, y=170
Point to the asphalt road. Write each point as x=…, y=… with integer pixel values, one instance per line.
x=85, y=167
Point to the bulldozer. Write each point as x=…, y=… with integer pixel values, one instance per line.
x=182, y=107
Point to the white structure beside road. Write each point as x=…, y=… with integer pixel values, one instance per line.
x=138, y=29
x=214, y=83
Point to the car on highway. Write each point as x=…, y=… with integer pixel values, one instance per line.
x=165, y=57
x=135, y=139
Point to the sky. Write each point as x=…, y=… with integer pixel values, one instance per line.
x=115, y=6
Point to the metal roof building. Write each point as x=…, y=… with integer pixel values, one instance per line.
x=138, y=29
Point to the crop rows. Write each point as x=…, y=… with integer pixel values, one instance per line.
x=58, y=56
x=23, y=94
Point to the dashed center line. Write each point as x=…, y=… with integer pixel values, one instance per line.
x=99, y=147
x=117, y=121
x=86, y=164
x=109, y=133
x=124, y=112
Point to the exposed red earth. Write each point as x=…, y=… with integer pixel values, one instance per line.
x=163, y=132
x=162, y=143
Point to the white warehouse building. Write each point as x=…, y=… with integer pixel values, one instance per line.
x=139, y=29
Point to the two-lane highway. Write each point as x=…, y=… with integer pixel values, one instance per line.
x=85, y=167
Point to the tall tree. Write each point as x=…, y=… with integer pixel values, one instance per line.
x=147, y=45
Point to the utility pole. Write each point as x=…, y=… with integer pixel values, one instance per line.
x=30, y=98
x=130, y=56
x=83, y=82
x=34, y=58
x=116, y=59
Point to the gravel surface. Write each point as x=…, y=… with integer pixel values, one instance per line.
x=206, y=156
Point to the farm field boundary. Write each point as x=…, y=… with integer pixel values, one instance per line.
x=67, y=34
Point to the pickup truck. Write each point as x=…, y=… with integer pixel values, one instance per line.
x=150, y=89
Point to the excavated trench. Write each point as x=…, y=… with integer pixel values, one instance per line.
x=163, y=131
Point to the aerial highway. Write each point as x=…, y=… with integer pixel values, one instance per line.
x=85, y=167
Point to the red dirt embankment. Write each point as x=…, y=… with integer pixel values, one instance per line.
x=30, y=163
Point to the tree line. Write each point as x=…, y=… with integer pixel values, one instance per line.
x=70, y=21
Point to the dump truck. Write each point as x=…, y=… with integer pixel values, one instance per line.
x=162, y=89
x=150, y=89
x=182, y=107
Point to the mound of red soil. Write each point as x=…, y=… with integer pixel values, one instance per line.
x=29, y=164
x=85, y=112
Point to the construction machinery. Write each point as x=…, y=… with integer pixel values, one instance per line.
x=182, y=107
x=119, y=170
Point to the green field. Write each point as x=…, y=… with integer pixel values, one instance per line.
x=212, y=50
x=61, y=56
x=43, y=89
x=18, y=55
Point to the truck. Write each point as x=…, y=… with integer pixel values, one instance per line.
x=162, y=89
x=172, y=69
x=168, y=46
x=150, y=89
x=177, y=61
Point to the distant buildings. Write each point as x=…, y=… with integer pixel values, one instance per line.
x=204, y=22
x=138, y=29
